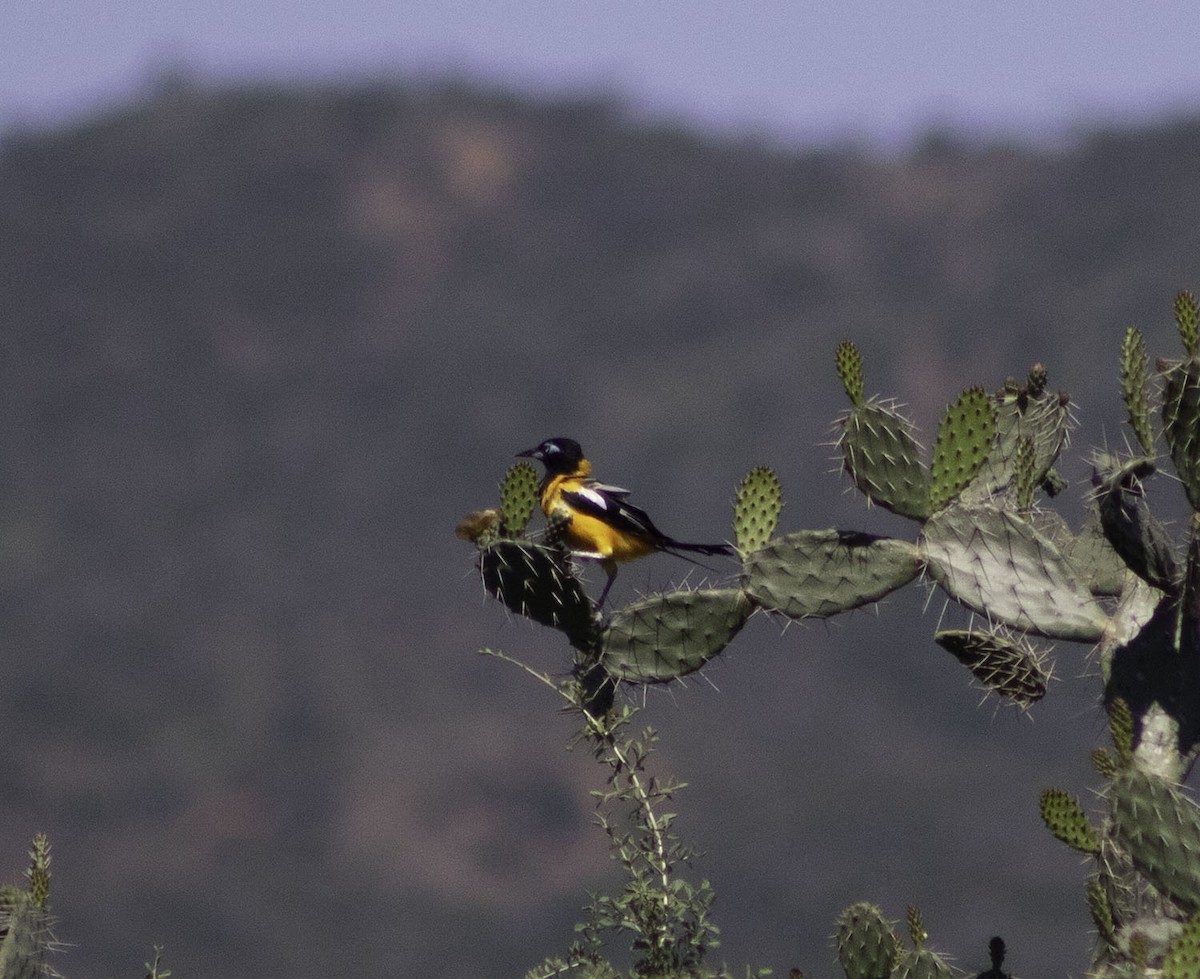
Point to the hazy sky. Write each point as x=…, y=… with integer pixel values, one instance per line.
x=794, y=69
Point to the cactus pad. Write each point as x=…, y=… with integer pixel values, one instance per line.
x=1105, y=763
x=1006, y=667
x=1101, y=909
x=1134, y=388
x=1188, y=321
x=1044, y=419
x=518, y=497
x=1065, y=818
x=1134, y=532
x=756, y=511
x=1182, y=960
x=668, y=636
x=1159, y=827
x=996, y=563
x=819, y=573
x=922, y=964
x=850, y=370
x=963, y=443
x=25, y=938
x=1093, y=558
x=866, y=945
x=38, y=873
x=1181, y=423
x=884, y=460
x=537, y=582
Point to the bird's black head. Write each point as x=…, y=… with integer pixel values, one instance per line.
x=557, y=455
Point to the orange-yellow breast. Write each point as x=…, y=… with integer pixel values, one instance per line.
x=591, y=535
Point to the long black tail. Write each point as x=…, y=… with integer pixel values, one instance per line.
x=670, y=546
x=674, y=545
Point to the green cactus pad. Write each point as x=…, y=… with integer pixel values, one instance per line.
x=1095, y=561
x=963, y=443
x=850, y=370
x=1044, y=419
x=1065, y=818
x=1181, y=424
x=1135, y=388
x=38, y=873
x=922, y=964
x=668, y=636
x=1120, y=729
x=996, y=563
x=866, y=945
x=1101, y=910
x=1134, y=533
x=916, y=926
x=884, y=460
x=1159, y=827
x=819, y=573
x=1104, y=763
x=1006, y=667
x=538, y=582
x=1182, y=960
x=1025, y=475
x=756, y=511
x=1188, y=322
x=518, y=497
x=25, y=930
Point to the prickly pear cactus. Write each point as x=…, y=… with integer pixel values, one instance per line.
x=1159, y=827
x=866, y=946
x=1003, y=662
x=1126, y=581
x=1181, y=423
x=884, y=460
x=921, y=963
x=819, y=573
x=997, y=563
x=537, y=582
x=963, y=444
x=1023, y=412
x=668, y=636
x=1182, y=960
x=1065, y=818
x=1135, y=388
x=25, y=925
x=756, y=510
x=518, y=497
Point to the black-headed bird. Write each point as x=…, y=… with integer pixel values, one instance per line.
x=603, y=527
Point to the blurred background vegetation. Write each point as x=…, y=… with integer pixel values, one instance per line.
x=263, y=346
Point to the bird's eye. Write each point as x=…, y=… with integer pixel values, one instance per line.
x=550, y=448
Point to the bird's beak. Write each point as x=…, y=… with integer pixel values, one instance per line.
x=534, y=453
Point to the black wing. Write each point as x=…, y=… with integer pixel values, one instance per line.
x=607, y=503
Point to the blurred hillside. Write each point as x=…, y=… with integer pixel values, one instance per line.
x=261, y=350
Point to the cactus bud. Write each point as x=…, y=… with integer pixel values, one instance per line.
x=1065, y=818
x=756, y=512
x=518, y=497
x=850, y=370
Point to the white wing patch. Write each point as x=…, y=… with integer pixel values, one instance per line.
x=616, y=492
x=595, y=496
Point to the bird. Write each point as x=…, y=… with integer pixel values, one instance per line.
x=603, y=527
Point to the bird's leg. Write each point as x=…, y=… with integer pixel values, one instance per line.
x=611, y=568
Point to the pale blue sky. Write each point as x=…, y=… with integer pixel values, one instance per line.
x=795, y=70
